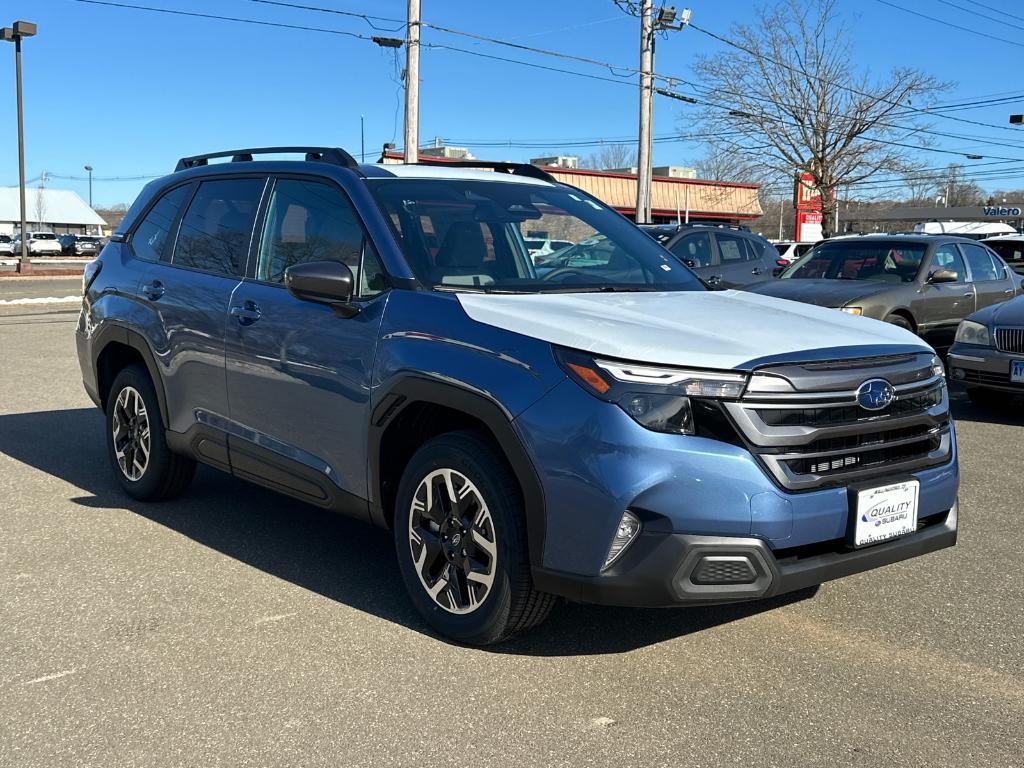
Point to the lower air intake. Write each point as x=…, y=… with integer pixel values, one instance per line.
x=724, y=569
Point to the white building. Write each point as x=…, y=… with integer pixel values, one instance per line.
x=557, y=161
x=49, y=210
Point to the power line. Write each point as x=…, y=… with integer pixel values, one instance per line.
x=364, y=16
x=999, y=10
x=825, y=81
x=950, y=24
x=982, y=15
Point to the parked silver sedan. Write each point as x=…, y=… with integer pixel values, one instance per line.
x=988, y=354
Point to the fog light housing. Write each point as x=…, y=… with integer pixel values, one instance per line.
x=959, y=374
x=625, y=534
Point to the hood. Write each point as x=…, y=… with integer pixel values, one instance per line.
x=823, y=293
x=1005, y=313
x=700, y=329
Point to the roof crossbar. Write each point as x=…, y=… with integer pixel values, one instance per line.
x=332, y=155
x=516, y=169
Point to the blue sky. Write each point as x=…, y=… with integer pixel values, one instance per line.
x=131, y=91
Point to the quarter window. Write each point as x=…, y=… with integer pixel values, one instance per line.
x=982, y=267
x=310, y=221
x=216, y=230
x=151, y=236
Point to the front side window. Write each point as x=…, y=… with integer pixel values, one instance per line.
x=948, y=257
x=150, y=238
x=980, y=262
x=215, y=231
x=312, y=221
x=694, y=249
x=856, y=259
x=461, y=234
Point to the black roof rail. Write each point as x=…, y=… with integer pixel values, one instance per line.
x=332, y=155
x=516, y=169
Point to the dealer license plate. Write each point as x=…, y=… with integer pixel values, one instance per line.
x=886, y=512
x=1017, y=371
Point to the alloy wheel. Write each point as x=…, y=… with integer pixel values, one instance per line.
x=452, y=541
x=130, y=427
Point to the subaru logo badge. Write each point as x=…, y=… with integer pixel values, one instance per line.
x=875, y=394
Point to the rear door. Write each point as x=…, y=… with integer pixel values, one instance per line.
x=189, y=288
x=992, y=280
x=298, y=374
x=944, y=305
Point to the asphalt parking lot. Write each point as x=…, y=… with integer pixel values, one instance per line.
x=237, y=627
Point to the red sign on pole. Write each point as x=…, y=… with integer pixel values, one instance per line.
x=807, y=202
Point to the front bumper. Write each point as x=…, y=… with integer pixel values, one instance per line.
x=672, y=569
x=985, y=367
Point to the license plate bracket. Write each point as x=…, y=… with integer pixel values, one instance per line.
x=882, y=511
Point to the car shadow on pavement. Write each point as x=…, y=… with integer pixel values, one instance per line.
x=341, y=559
x=1008, y=410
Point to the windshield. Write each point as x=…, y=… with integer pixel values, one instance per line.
x=469, y=235
x=859, y=260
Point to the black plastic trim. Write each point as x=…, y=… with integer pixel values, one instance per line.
x=123, y=335
x=655, y=570
x=416, y=389
x=332, y=155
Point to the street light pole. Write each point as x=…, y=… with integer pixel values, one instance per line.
x=14, y=34
x=89, y=169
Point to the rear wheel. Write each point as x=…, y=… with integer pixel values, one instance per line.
x=136, y=443
x=460, y=536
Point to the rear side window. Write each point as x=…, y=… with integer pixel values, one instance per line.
x=215, y=231
x=151, y=236
x=310, y=221
x=733, y=248
x=980, y=262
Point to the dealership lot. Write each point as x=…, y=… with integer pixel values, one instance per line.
x=237, y=627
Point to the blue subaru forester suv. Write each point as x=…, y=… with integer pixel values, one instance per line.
x=375, y=340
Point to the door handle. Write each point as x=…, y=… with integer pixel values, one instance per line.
x=1008, y=291
x=755, y=271
x=153, y=290
x=247, y=314
x=968, y=295
x=714, y=279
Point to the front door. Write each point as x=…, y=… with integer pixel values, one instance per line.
x=944, y=305
x=695, y=251
x=738, y=263
x=298, y=374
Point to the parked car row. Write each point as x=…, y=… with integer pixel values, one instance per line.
x=52, y=244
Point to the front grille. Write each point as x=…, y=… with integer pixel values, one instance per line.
x=1010, y=339
x=815, y=434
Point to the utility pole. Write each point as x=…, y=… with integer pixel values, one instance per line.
x=649, y=26
x=14, y=34
x=412, y=83
x=362, y=138
x=644, y=171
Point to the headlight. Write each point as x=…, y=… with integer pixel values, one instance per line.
x=938, y=369
x=655, y=397
x=851, y=310
x=971, y=332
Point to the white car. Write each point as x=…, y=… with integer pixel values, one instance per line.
x=539, y=248
x=1011, y=248
x=791, y=251
x=39, y=244
x=6, y=244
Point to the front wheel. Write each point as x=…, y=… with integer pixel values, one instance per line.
x=460, y=536
x=901, y=321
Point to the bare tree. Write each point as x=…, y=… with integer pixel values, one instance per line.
x=720, y=163
x=788, y=99
x=955, y=189
x=611, y=156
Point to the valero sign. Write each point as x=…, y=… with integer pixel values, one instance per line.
x=1012, y=212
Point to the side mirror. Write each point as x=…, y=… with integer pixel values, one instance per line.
x=323, y=282
x=943, y=276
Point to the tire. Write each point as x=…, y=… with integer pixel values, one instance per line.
x=498, y=600
x=133, y=423
x=901, y=321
